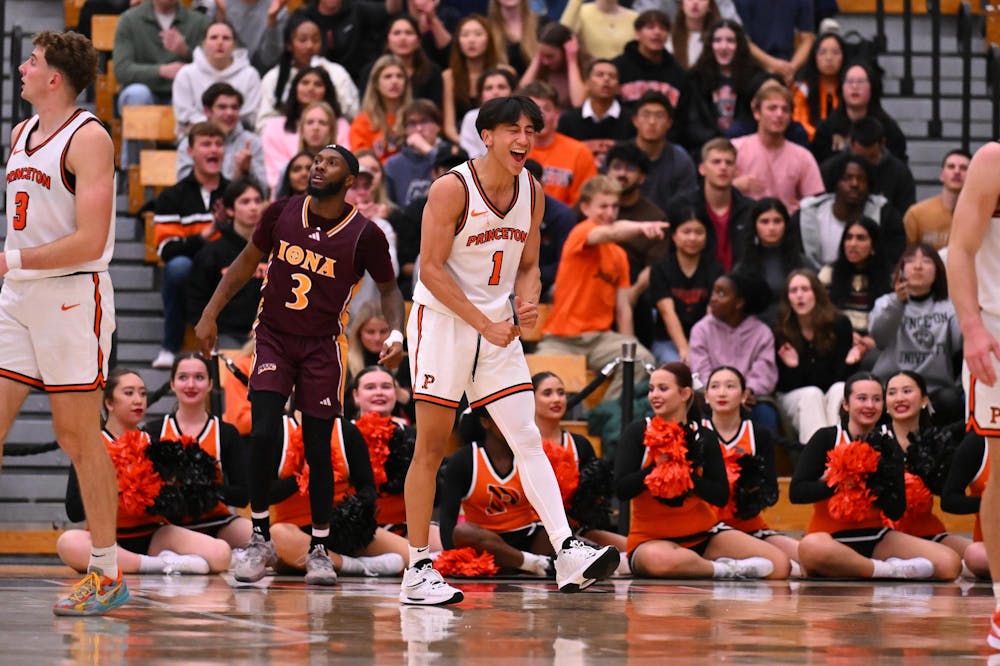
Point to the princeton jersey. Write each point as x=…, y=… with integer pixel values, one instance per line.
x=987, y=265
x=745, y=442
x=315, y=265
x=486, y=249
x=495, y=502
x=41, y=197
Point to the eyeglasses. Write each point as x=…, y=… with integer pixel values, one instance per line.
x=855, y=82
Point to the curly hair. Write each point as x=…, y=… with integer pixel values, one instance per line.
x=72, y=54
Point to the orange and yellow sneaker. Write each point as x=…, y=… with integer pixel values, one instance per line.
x=994, y=636
x=96, y=594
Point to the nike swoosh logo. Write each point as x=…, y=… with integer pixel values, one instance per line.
x=65, y=307
x=477, y=213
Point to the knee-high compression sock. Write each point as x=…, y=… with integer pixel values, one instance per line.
x=316, y=440
x=266, y=409
x=514, y=416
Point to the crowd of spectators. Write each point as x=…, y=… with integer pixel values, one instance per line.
x=705, y=164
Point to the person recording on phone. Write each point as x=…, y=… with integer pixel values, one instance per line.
x=916, y=329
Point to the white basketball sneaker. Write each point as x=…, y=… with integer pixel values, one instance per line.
x=578, y=566
x=424, y=586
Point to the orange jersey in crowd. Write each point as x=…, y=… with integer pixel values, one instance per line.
x=566, y=165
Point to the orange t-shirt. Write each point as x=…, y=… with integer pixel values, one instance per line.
x=587, y=283
x=566, y=165
x=365, y=136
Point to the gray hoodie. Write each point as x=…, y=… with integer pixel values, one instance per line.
x=192, y=80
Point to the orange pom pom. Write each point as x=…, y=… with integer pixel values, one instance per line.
x=667, y=446
x=138, y=482
x=847, y=470
x=377, y=431
x=466, y=562
x=731, y=457
x=565, y=467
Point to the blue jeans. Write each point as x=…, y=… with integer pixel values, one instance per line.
x=175, y=275
x=665, y=351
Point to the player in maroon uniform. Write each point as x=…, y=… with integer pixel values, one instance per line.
x=317, y=247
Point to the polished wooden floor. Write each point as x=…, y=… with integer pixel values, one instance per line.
x=203, y=620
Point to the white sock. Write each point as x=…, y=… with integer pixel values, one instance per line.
x=352, y=566
x=623, y=568
x=534, y=563
x=105, y=559
x=320, y=534
x=150, y=564
x=722, y=568
x=882, y=569
x=514, y=415
x=796, y=570
x=422, y=553
x=967, y=573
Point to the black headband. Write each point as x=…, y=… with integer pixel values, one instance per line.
x=352, y=161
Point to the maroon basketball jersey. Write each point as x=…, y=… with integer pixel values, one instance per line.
x=314, y=265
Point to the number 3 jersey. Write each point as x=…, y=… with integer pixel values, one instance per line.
x=41, y=197
x=486, y=249
x=315, y=265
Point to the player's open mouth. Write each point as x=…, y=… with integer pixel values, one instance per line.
x=519, y=156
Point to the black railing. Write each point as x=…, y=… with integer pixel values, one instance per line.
x=906, y=83
x=881, y=43
x=993, y=81
x=934, y=129
x=965, y=25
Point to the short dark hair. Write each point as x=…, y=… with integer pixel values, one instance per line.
x=651, y=16
x=655, y=97
x=205, y=128
x=955, y=151
x=236, y=189
x=217, y=90
x=507, y=111
x=628, y=152
x=939, y=288
x=72, y=54
x=866, y=131
x=496, y=71
x=840, y=167
x=598, y=61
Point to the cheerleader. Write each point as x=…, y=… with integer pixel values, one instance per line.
x=146, y=544
x=962, y=494
x=672, y=472
x=481, y=480
x=588, y=512
x=854, y=478
x=928, y=457
x=190, y=383
x=753, y=482
x=354, y=545
x=376, y=392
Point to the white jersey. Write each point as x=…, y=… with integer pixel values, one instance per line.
x=988, y=267
x=41, y=197
x=486, y=250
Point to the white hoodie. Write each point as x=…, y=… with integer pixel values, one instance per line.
x=194, y=78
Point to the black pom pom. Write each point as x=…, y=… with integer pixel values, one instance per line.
x=591, y=503
x=352, y=525
x=398, y=463
x=756, y=489
x=930, y=453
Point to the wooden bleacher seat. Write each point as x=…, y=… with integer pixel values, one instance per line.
x=103, y=27
x=71, y=12
x=157, y=169
x=149, y=123
x=571, y=368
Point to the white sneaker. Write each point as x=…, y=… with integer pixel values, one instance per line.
x=164, y=360
x=424, y=586
x=578, y=566
x=751, y=567
x=319, y=568
x=387, y=564
x=427, y=625
x=183, y=564
x=254, y=560
x=916, y=567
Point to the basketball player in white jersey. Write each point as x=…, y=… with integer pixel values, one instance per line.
x=479, y=245
x=974, y=287
x=57, y=309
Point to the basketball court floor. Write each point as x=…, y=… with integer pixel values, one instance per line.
x=194, y=620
